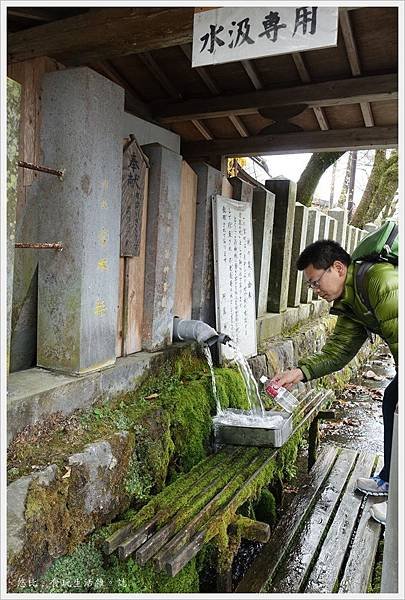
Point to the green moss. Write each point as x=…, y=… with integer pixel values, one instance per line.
x=86, y=570
x=374, y=587
x=265, y=508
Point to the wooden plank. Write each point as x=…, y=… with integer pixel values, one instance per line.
x=292, y=143
x=120, y=308
x=359, y=566
x=328, y=93
x=135, y=273
x=185, y=254
x=298, y=559
x=227, y=190
x=268, y=560
x=176, y=549
x=134, y=167
x=103, y=34
x=325, y=572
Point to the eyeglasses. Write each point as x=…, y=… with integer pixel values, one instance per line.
x=314, y=285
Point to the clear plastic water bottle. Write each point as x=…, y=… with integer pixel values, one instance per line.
x=282, y=396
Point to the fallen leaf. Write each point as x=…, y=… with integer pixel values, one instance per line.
x=152, y=396
x=67, y=474
x=371, y=375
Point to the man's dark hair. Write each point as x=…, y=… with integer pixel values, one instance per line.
x=322, y=254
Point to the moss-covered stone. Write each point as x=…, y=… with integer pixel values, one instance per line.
x=265, y=508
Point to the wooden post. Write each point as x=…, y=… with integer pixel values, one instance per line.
x=313, y=442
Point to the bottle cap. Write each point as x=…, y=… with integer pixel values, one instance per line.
x=272, y=390
x=263, y=379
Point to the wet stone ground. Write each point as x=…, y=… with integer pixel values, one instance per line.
x=359, y=423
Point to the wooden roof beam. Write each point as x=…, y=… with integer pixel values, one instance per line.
x=331, y=93
x=305, y=78
x=252, y=74
x=354, y=61
x=290, y=143
x=104, y=34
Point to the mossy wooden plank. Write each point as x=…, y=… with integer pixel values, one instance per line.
x=204, y=519
x=267, y=562
x=249, y=529
x=325, y=572
x=359, y=566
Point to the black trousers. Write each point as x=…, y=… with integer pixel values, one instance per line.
x=390, y=401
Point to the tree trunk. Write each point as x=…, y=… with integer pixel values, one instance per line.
x=316, y=167
x=345, y=187
x=380, y=189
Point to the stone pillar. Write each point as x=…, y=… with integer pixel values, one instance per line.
x=78, y=287
x=241, y=190
x=262, y=220
x=333, y=224
x=370, y=227
x=209, y=184
x=312, y=236
x=13, y=128
x=162, y=236
x=285, y=192
x=322, y=226
x=340, y=214
x=356, y=237
x=298, y=245
x=350, y=239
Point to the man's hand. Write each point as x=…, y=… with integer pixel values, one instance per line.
x=288, y=378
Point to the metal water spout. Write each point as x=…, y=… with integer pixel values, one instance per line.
x=198, y=331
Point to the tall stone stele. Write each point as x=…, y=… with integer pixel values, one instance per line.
x=78, y=287
x=13, y=126
x=285, y=192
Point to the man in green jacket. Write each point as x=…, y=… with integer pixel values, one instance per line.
x=329, y=271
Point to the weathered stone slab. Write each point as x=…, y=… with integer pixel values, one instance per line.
x=258, y=364
x=161, y=245
x=234, y=273
x=285, y=192
x=322, y=226
x=77, y=288
x=357, y=232
x=351, y=238
x=262, y=219
x=370, y=227
x=312, y=236
x=241, y=190
x=209, y=184
x=298, y=245
x=13, y=129
x=340, y=214
x=332, y=232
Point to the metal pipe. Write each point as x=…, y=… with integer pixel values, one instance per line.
x=42, y=169
x=40, y=245
x=198, y=331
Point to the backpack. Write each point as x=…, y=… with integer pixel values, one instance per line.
x=379, y=246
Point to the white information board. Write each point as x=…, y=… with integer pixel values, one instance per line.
x=241, y=33
x=234, y=273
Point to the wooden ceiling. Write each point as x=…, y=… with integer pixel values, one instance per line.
x=343, y=97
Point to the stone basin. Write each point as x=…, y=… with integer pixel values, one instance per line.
x=237, y=428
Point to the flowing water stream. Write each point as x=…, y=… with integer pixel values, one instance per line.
x=255, y=416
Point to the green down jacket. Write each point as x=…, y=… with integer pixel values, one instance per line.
x=355, y=322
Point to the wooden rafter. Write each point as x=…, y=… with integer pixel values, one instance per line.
x=330, y=93
x=306, y=141
x=214, y=89
x=167, y=85
x=306, y=78
x=354, y=61
x=252, y=74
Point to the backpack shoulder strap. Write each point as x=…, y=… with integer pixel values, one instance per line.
x=360, y=273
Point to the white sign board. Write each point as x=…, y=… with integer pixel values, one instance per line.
x=240, y=33
x=234, y=273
